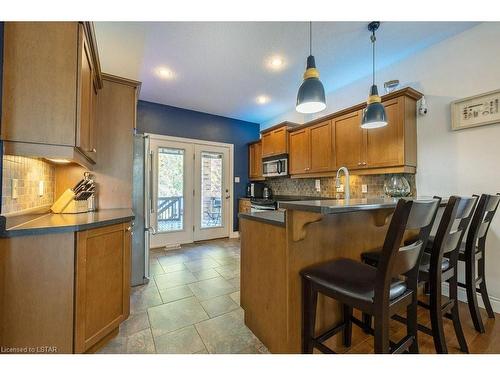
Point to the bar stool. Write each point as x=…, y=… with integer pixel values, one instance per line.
x=474, y=250
x=378, y=292
x=441, y=265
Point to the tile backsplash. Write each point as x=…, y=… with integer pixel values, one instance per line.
x=29, y=172
x=306, y=186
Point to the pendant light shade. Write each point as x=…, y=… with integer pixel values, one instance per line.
x=374, y=115
x=311, y=95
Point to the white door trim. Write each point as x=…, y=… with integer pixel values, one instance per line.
x=209, y=143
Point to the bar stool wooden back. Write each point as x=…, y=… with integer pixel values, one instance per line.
x=474, y=250
x=440, y=265
x=379, y=292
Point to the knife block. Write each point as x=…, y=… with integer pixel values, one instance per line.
x=66, y=204
x=76, y=207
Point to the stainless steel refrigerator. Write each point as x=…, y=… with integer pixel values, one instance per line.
x=141, y=205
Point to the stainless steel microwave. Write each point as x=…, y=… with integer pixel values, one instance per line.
x=275, y=166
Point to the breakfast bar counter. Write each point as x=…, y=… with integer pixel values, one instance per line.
x=272, y=256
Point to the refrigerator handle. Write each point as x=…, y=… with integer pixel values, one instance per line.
x=151, y=190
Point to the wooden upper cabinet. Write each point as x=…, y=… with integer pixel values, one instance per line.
x=255, y=160
x=349, y=140
x=300, y=151
x=280, y=140
x=50, y=83
x=338, y=140
x=274, y=142
x=322, y=156
x=385, y=146
x=85, y=96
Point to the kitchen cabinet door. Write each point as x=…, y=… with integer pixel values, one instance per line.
x=255, y=160
x=349, y=141
x=322, y=156
x=102, y=293
x=267, y=144
x=279, y=139
x=300, y=151
x=274, y=142
x=385, y=146
x=39, y=82
x=86, y=119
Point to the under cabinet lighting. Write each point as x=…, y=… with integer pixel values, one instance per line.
x=59, y=161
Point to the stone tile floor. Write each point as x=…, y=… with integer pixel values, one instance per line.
x=191, y=304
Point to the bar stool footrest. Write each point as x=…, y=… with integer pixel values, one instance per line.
x=366, y=328
x=402, y=345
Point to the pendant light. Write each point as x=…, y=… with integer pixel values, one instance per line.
x=374, y=114
x=311, y=95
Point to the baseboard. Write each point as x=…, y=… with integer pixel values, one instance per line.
x=234, y=234
x=462, y=296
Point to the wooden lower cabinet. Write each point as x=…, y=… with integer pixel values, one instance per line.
x=244, y=205
x=102, y=283
x=37, y=294
x=64, y=292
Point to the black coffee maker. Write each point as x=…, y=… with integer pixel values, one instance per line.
x=255, y=190
x=267, y=193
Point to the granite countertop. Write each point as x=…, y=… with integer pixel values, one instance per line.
x=42, y=223
x=334, y=206
x=276, y=217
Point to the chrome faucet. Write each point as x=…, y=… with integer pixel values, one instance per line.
x=347, y=194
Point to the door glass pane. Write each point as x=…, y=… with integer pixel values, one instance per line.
x=211, y=189
x=170, y=205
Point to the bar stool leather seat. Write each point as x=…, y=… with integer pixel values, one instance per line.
x=372, y=258
x=350, y=278
x=425, y=263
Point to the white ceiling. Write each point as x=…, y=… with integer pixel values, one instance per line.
x=220, y=67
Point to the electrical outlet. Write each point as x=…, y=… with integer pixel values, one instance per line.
x=40, y=188
x=364, y=188
x=340, y=189
x=236, y=180
x=317, y=184
x=15, y=189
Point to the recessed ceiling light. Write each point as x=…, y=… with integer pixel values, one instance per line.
x=165, y=73
x=262, y=99
x=276, y=62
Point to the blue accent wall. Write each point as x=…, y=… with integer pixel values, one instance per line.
x=178, y=122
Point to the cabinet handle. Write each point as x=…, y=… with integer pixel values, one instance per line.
x=92, y=150
x=306, y=169
x=364, y=163
x=129, y=229
x=360, y=163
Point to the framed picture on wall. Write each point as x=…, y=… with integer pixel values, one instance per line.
x=478, y=110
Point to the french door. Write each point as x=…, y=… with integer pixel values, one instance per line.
x=190, y=195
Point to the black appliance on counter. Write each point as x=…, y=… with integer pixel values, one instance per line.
x=255, y=189
x=263, y=204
